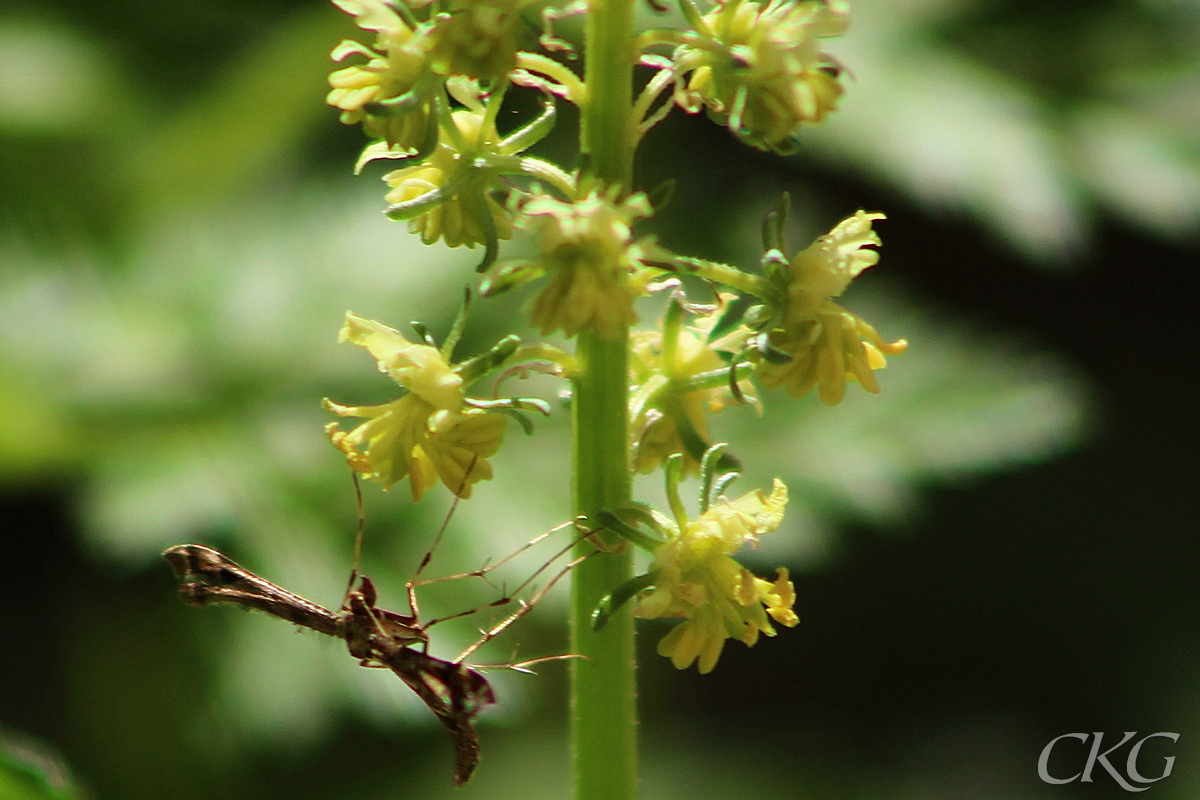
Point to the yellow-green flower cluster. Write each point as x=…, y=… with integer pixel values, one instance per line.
x=595, y=267
x=718, y=598
x=428, y=434
x=463, y=210
x=758, y=68
x=397, y=66
x=660, y=390
x=477, y=38
x=817, y=342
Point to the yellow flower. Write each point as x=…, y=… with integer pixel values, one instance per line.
x=835, y=346
x=718, y=598
x=817, y=342
x=411, y=438
x=425, y=435
x=761, y=72
x=395, y=67
x=826, y=267
x=657, y=389
x=586, y=246
x=459, y=215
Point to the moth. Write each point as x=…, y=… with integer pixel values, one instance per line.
x=377, y=637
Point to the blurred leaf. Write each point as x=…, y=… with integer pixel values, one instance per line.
x=257, y=110
x=943, y=104
x=1143, y=169
x=53, y=81
x=30, y=770
x=954, y=135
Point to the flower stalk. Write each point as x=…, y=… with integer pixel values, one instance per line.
x=603, y=682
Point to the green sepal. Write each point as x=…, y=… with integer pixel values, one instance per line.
x=534, y=132
x=418, y=205
x=396, y=106
x=693, y=16
x=672, y=323
x=456, y=329
x=730, y=318
x=494, y=357
x=756, y=317
x=491, y=237
x=612, y=602
x=383, y=150
x=533, y=404
x=673, y=470
x=510, y=275
x=770, y=353
x=722, y=483
x=662, y=194
x=774, y=230
x=709, y=464
x=525, y=422
x=623, y=520
x=422, y=331
x=692, y=441
x=515, y=407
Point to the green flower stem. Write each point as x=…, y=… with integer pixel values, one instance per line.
x=713, y=379
x=723, y=273
x=551, y=173
x=604, y=713
x=607, y=135
x=603, y=687
x=569, y=84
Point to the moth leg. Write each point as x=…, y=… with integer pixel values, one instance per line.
x=510, y=596
x=525, y=606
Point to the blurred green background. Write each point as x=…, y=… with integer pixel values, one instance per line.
x=997, y=550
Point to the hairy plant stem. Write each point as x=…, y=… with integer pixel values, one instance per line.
x=603, y=688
